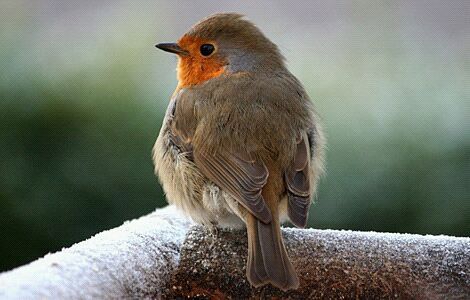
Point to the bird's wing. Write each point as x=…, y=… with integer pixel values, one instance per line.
x=238, y=175
x=297, y=179
x=233, y=172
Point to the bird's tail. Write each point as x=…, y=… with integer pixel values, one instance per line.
x=267, y=257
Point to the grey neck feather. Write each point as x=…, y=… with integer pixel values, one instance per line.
x=241, y=60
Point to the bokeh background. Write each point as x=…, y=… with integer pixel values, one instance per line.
x=83, y=92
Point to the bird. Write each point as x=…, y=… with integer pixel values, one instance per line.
x=241, y=144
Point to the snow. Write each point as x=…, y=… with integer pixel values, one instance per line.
x=134, y=260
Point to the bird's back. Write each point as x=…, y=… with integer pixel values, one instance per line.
x=260, y=114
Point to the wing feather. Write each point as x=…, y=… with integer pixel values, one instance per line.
x=298, y=185
x=235, y=173
x=243, y=179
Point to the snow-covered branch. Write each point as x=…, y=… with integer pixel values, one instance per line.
x=163, y=255
x=134, y=261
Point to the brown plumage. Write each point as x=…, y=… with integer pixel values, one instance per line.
x=240, y=142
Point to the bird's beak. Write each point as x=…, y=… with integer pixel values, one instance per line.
x=172, y=48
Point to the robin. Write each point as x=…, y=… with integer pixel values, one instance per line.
x=240, y=143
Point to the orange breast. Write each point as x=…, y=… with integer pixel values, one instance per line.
x=194, y=68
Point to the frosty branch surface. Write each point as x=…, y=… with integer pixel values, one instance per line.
x=163, y=256
x=134, y=260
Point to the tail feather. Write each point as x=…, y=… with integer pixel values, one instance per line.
x=267, y=257
x=255, y=264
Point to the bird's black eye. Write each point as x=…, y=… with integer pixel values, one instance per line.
x=207, y=49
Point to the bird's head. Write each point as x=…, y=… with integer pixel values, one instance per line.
x=222, y=44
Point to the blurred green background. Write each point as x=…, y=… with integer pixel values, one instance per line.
x=83, y=92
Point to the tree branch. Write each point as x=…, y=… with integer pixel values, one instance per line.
x=134, y=260
x=162, y=256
